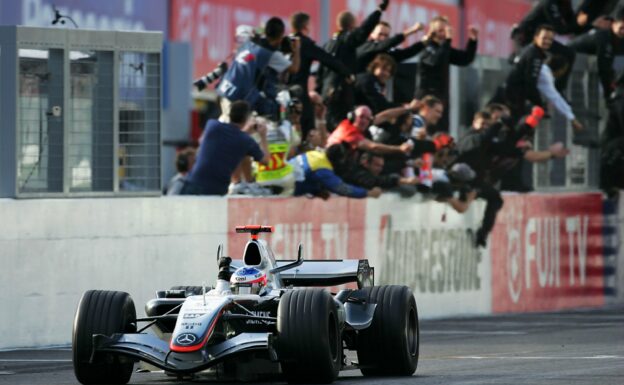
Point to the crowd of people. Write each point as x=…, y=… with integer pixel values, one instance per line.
x=349, y=136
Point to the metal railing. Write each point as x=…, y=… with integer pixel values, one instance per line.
x=85, y=119
x=579, y=171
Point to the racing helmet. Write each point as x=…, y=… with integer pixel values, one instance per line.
x=248, y=280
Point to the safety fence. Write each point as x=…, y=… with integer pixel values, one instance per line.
x=547, y=252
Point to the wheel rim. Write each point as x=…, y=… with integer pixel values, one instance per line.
x=411, y=332
x=332, y=335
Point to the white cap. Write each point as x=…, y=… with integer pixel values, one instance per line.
x=244, y=33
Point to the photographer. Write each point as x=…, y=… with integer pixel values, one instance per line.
x=254, y=72
x=223, y=147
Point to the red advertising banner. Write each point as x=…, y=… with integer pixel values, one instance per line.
x=401, y=14
x=332, y=229
x=547, y=253
x=209, y=25
x=495, y=20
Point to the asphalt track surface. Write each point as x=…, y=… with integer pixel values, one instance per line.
x=574, y=347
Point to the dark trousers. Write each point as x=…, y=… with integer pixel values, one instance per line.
x=339, y=104
x=307, y=116
x=494, y=202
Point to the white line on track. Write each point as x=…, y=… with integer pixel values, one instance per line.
x=541, y=358
x=468, y=332
x=33, y=360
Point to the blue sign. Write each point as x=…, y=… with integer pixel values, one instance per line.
x=132, y=15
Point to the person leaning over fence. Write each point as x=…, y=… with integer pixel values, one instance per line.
x=429, y=114
x=316, y=174
x=520, y=85
x=223, y=147
x=352, y=130
x=605, y=44
x=612, y=143
x=560, y=16
x=367, y=173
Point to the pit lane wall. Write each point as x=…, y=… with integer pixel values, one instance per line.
x=51, y=251
x=547, y=252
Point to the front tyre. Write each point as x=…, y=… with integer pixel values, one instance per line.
x=390, y=345
x=309, y=343
x=107, y=313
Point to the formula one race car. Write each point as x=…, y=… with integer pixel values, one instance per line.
x=266, y=321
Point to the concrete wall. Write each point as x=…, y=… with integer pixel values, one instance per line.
x=51, y=251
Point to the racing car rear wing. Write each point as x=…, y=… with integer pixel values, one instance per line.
x=329, y=273
x=324, y=272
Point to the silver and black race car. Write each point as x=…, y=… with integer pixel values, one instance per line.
x=264, y=318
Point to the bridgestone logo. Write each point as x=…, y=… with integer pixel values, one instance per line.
x=430, y=261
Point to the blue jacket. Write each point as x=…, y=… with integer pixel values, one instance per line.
x=240, y=80
x=320, y=176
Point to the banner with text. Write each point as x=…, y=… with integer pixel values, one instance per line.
x=209, y=25
x=430, y=248
x=332, y=229
x=495, y=20
x=547, y=253
x=401, y=14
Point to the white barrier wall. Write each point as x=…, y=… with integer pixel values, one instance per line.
x=429, y=247
x=546, y=251
x=51, y=251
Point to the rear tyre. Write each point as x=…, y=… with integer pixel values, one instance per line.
x=102, y=312
x=192, y=290
x=389, y=347
x=309, y=343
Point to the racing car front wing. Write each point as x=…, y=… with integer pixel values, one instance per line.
x=151, y=349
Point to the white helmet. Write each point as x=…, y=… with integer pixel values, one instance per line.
x=248, y=280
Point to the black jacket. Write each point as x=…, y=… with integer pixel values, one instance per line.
x=367, y=51
x=362, y=177
x=310, y=52
x=434, y=65
x=521, y=82
x=369, y=91
x=482, y=150
x=557, y=13
x=391, y=135
x=343, y=47
x=605, y=45
x=594, y=9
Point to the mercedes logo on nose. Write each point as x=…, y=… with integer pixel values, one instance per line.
x=186, y=339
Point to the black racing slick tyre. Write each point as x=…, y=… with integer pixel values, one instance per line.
x=309, y=344
x=389, y=346
x=107, y=313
